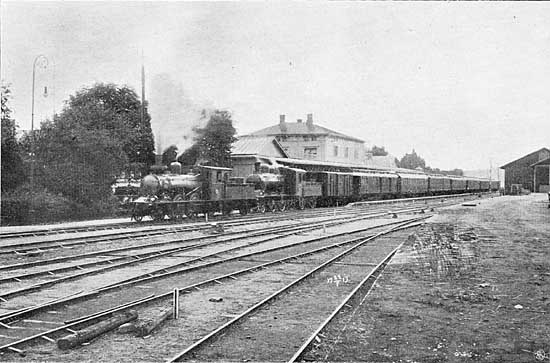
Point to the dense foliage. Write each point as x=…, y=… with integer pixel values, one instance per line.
x=414, y=161
x=378, y=151
x=98, y=135
x=77, y=155
x=213, y=142
x=13, y=171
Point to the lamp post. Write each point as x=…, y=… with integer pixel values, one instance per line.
x=44, y=64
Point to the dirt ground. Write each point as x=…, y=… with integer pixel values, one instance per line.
x=471, y=285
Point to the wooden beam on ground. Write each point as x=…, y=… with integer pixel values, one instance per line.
x=146, y=327
x=87, y=334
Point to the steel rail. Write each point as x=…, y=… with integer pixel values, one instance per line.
x=139, y=258
x=186, y=289
x=193, y=223
x=263, y=302
x=299, y=353
x=163, y=271
x=153, y=230
x=122, y=249
x=115, y=225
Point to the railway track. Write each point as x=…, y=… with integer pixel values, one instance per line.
x=268, y=328
x=35, y=248
x=63, y=230
x=114, y=262
x=64, y=315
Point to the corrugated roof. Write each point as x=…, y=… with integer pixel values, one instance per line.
x=263, y=146
x=300, y=128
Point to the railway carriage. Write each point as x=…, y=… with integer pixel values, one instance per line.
x=473, y=185
x=439, y=184
x=458, y=184
x=337, y=187
x=484, y=185
x=412, y=184
x=374, y=185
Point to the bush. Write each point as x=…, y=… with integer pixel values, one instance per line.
x=49, y=207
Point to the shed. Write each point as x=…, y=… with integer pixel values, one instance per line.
x=521, y=172
x=541, y=176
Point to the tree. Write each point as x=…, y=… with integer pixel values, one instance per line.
x=170, y=154
x=378, y=151
x=190, y=156
x=98, y=135
x=213, y=142
x=412, y=161
x=117, y=109
x=13, y=171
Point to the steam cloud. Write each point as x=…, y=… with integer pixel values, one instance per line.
x=174, y=114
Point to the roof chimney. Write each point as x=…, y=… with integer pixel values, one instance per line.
x=309, y=121
x=282, y=123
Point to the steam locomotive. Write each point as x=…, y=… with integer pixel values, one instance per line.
x=277, y=187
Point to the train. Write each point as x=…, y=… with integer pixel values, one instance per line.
x=273, y=187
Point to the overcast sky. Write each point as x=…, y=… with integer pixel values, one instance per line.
x=461, y=83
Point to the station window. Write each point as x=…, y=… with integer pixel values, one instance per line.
x=336, y=151
x=310, y=152
x=355, y=154
x=346, y=152
x=219, y=176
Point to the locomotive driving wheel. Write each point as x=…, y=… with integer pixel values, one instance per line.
x=157, y=214
x=261, y=207
x=177, y=208
x=194, y=206
x=272, y=206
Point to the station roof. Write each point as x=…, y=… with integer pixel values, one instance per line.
x=262, y=146
x=301, y=128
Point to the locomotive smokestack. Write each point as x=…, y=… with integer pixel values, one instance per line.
x=282, y=123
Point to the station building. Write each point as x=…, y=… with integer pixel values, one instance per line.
x=531, y=172
x=306, y=140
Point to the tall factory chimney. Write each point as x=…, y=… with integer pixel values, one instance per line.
x=309, y=121
x=282, y=123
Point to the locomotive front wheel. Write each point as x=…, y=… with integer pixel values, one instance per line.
x=261, y=208
x=137, y=218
